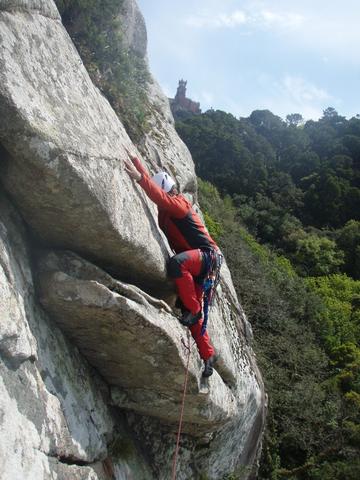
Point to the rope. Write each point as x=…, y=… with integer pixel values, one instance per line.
x=173, y=475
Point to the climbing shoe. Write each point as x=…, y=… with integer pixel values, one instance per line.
x=189, y=319
x=209, y=364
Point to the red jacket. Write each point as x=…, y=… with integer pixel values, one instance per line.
x=177, y=219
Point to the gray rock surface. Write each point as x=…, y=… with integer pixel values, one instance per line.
x=65, y=144
x=16, y=341
x=133, y=341
x=44, y=7
x=53, y=407
x=162, y=145
x=133, y=29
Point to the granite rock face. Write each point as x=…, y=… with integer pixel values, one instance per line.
x=133, y=340
x=55, y=418
x=92, y=357
x=133, y=27
x=65, y=146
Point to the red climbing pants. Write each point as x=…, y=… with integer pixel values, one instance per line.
x=184, y=268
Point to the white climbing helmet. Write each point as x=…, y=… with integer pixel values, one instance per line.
x=164, y=181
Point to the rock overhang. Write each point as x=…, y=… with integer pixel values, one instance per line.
x=134, y=341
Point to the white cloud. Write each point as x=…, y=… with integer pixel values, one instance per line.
x=282, y=106
x=220, y=20
x=292, y=94
x=302, y=91
x=333, y=38
x=255, y=17
x=311, y=113
x=330, y=29
x=322, y=28
x=295, y=94
x=282, y=20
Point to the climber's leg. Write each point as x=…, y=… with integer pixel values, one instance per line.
x=206, y=350
x=183, y=267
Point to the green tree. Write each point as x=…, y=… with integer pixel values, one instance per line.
x=337, y=323
x=294, y=119
x=348, y=239
x=282, y=176
x=330, y=113
x=317, y=255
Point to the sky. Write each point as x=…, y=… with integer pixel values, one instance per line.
x=242, y=55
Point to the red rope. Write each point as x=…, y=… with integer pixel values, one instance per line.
x=173, y=476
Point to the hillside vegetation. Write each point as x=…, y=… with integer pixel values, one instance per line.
x=283, y=203
x=296, y=185
x=96, y=28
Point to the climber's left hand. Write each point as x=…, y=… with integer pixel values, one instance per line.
x=131, y=170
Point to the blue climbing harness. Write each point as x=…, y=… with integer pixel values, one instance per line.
x=213, y=261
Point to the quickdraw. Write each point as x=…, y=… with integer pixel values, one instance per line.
x=213, y=261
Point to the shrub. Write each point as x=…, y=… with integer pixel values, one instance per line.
x=118, y=71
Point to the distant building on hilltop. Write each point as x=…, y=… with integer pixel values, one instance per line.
x=181, y=105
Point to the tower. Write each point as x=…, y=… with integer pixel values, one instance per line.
x=181, y=90
x=180, y=105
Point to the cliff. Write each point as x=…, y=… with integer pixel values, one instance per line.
x=92, y=357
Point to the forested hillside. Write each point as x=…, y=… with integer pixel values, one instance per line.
x=295, y=188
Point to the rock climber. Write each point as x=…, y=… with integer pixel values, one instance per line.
x=189, y=239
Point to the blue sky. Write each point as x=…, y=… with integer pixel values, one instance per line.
x=242, y=55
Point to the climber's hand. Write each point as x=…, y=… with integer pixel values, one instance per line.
x=131, y=170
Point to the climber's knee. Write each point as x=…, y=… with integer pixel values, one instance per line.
x=174, y=265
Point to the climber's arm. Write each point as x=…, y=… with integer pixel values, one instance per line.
x=177, y=205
